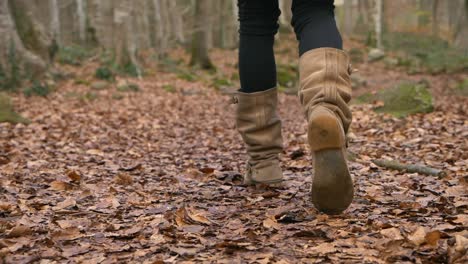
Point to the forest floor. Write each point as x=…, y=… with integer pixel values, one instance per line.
x=154, y=175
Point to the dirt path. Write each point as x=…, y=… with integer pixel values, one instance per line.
x=154, y=176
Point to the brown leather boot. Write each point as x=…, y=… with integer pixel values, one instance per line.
x=325, y=90
x=258, y=123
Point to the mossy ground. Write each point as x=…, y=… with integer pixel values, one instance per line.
x=7, y=113
x=462, y=87
x=426, y=54
x=405, y=99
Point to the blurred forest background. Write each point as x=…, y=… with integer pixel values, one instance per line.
x=129, y=36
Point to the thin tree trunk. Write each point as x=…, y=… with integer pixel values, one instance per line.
x=167, y=25
x=235, y=14
x=379, y=23
x=200, y=55
x=461, y=30
x=55, y=20
x=80, y=10
x=177, y=21
x=435, y=22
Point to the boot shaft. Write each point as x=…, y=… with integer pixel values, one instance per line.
x=325, y=80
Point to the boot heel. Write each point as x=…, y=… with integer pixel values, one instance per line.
x=325, y=131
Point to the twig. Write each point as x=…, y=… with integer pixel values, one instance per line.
x=395, y=165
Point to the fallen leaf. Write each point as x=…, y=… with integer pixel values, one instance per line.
x=186, y=216
x=74, y=175
x=60, y=186
x=183, y=251
x=323, y=248
x=270, y=222
x=19, y=231
x=433, y=237
x=199, y=217
x=69, y=202
x=123, y=179
x=461, y=219
x=96, y=152
x=158, y=239
x=418, y=237
x=461, y=243
x=392, y=233
x=67, y=234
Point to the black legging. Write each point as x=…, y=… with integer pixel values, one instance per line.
x=314, y=25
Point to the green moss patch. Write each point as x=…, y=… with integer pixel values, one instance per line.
x=405, y=99
x=7, y=113
x=426, y=54
x=73, y=55
x=38, y=89
x=287, y=75
x=462, y=87
x=128, y=87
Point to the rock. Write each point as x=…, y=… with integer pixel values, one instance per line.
x=50, y=83
x=99, y=85
x=356, y=55
x=128, y=87
x=391, y=62
x=357, y=80
x=375, y=55
x=405, y=99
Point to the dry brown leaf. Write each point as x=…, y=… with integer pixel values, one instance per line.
x=60, y=186
x=461, y=243
x=19, y=231
x=74, y=175
x=198, y=217
x=418, y=237
x=6, y=207
x=68, y=234
x=432, y=238
x=186, y=216
x=96, y=152
x=324, y=248
x=83, y=222
x=392, y=233
x=270, y=222
x=461, y=219
x=123, y=179
x=69, y=202
x=158, y=239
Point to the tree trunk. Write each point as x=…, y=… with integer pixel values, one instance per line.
x=379, y=23
x=177, y=23
x=200, y=55
x=80, y=10
x=23, y=45
x=435, y=22
x=461, y=30
x=55, y=21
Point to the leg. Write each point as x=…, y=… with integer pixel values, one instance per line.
x=325, y=90
x=314, y=25
x=256, y=118
x=258, y=26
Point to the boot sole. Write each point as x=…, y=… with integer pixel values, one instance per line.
x=332, y=186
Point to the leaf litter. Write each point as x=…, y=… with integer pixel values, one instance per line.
x=156, y=177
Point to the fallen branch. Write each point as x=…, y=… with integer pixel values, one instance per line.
x=395, y=165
